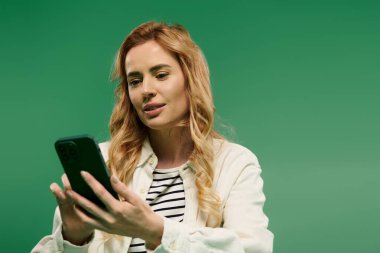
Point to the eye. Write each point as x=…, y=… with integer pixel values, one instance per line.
x=134, y=82
x=162, y=75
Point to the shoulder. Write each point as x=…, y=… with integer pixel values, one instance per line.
x=225, y=151
x=232, y=161
x=234, y=166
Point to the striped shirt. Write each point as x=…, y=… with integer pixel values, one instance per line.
x=166, y=197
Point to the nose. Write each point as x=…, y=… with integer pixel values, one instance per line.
x=148, y=89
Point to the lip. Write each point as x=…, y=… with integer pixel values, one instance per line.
x=155, y=112
x=152, y=105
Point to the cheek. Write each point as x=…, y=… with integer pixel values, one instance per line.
x=180, y=91
x=183, y=102
x=133, y=98
x=136, y=105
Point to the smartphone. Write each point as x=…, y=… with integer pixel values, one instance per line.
x=79, y=153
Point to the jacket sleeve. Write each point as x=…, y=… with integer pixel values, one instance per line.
x=244, y=228
x=55, y=243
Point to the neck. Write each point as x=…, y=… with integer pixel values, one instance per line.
x=172, y=146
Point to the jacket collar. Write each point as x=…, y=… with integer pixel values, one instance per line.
x=146, y=152
x=148, y=155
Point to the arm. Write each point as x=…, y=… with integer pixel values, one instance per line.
x=68, y=229
x=243, y=212
x=55, y=243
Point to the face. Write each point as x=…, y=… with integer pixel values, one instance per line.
x=156, y=86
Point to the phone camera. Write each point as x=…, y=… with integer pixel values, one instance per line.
x=68, y=152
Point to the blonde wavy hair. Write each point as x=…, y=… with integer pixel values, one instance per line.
x=128, y=132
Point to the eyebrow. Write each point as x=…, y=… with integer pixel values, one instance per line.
x=151, y=70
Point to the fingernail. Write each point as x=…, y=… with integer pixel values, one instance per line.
x=114, y=179
x=83, y=173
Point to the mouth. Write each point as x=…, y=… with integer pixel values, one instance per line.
x=152, y=110
x=152, y=107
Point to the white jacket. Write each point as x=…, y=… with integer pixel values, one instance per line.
x=237, y=181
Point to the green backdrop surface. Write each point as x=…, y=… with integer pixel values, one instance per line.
x=298, y=81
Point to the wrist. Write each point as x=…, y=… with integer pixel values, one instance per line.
x=153, y=239
x=77, y=238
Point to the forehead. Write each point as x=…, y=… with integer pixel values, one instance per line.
x=146, y=55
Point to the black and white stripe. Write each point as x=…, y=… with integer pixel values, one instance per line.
x=166, y=196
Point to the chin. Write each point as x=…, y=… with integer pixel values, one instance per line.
x=162, y=125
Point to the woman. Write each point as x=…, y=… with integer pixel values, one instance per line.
x=182, y=187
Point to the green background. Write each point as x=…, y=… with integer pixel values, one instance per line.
x=297, y=81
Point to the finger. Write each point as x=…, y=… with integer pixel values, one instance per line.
x=58, y=193
x=125, y=194
x=66, y=182
x=88, y=219
x=88, y=206
x=99, y=190
x=66, y=186
x=65, y=203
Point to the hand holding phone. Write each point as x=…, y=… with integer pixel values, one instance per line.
x=80, y=218
x=79, y=153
